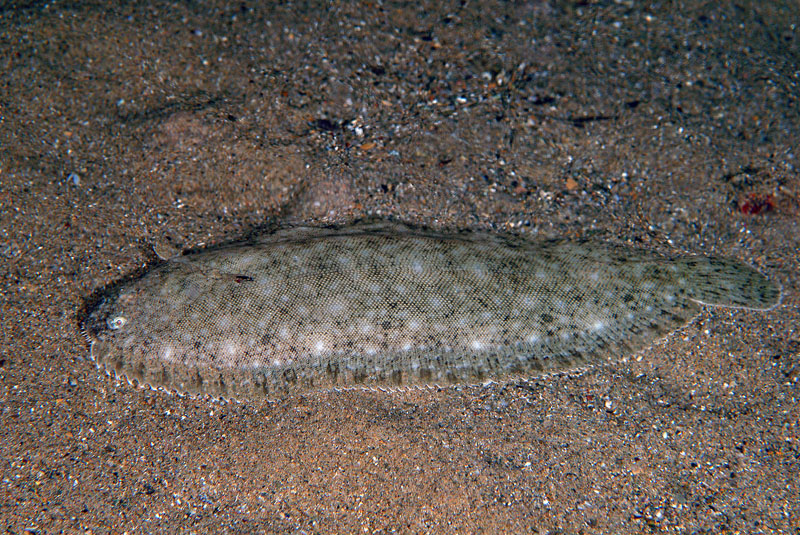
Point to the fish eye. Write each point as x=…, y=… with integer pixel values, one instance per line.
x=116, y=322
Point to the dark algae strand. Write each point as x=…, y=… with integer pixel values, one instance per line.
x=381, y=305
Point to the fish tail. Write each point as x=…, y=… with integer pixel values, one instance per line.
x=728, y=283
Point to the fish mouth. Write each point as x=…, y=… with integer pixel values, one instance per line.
x=92, y=328
x=87, y=317
x=102, y=350
x=93, y=325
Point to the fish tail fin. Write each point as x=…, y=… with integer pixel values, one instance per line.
x=728, y=283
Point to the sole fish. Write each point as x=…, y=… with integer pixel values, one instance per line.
x=382, y=305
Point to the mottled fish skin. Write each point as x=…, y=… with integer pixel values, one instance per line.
x=383, y=305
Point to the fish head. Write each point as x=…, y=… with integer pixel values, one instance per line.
x=107, y=325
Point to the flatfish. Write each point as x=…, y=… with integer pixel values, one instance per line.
x=382, y=305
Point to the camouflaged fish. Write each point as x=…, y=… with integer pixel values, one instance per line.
x=387, y=306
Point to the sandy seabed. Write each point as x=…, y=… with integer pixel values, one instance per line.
x=165, y=126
